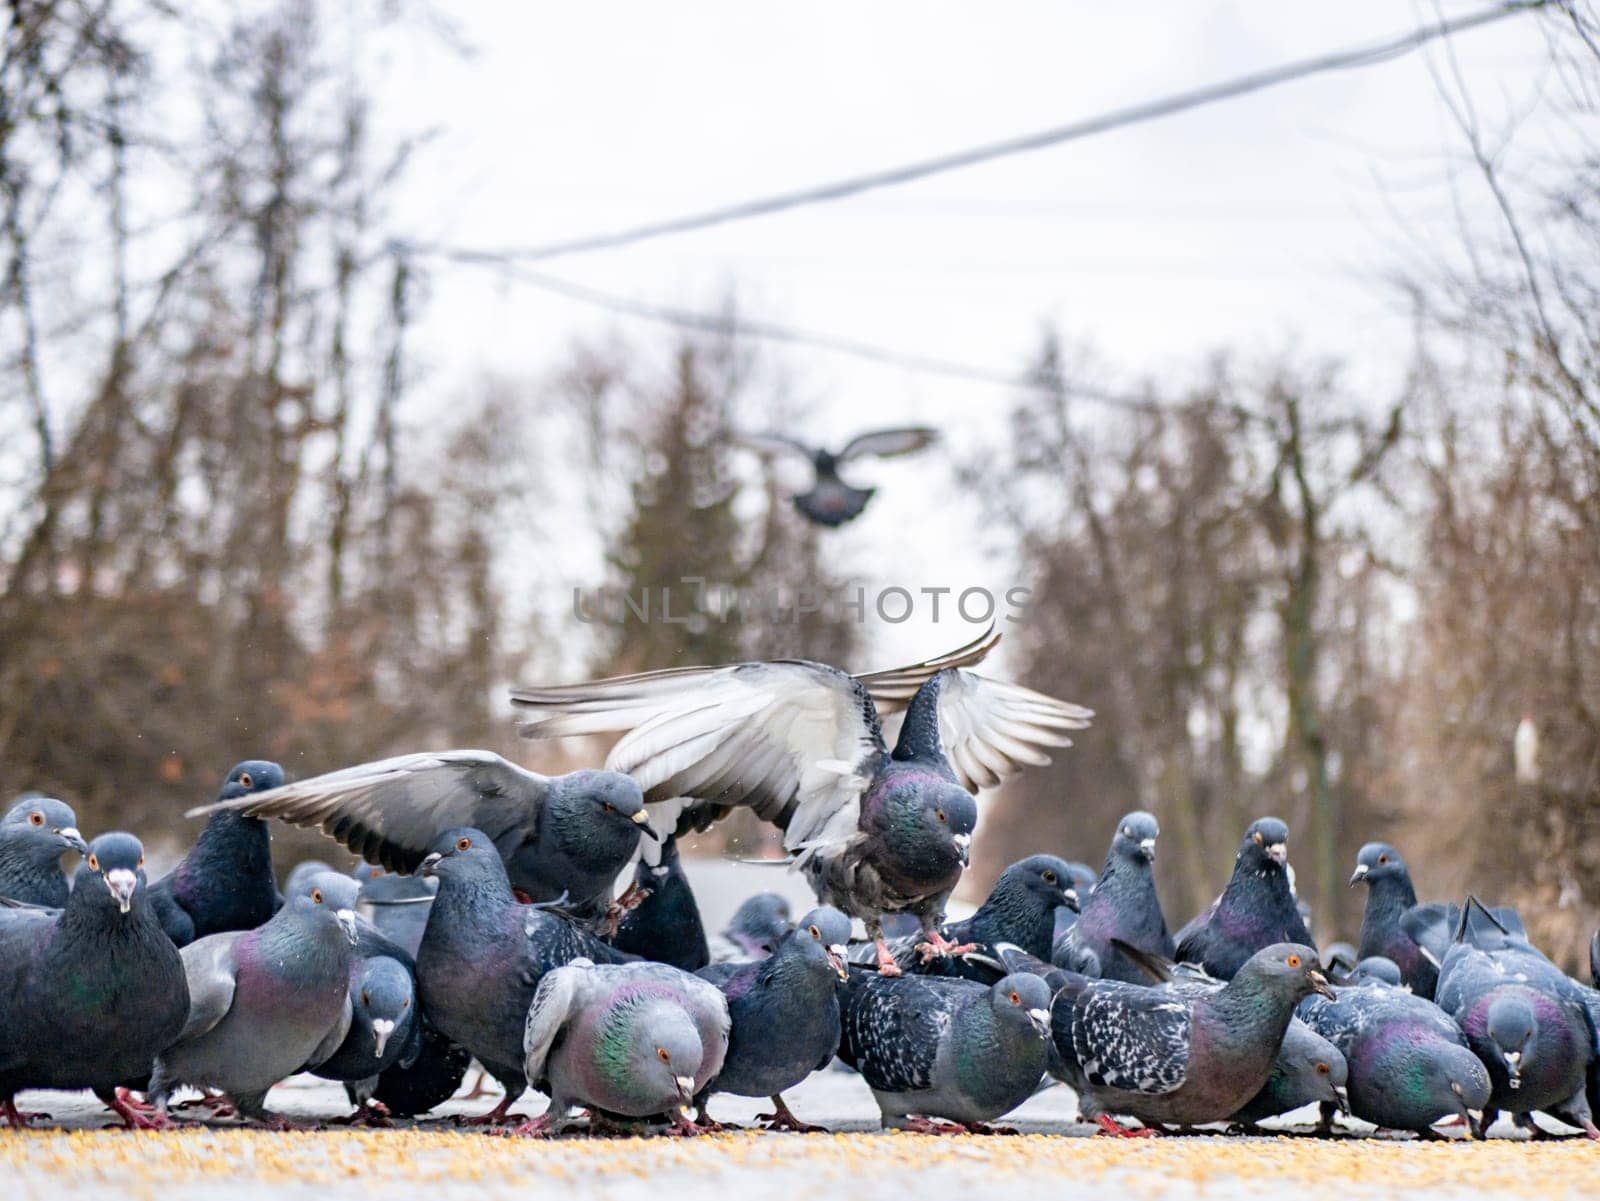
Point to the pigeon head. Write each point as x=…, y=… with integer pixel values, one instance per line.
x=820, y=938
x=660, y=1050
x=461, y=854
x=1136, y=837
x=253, y=775
x=1287, y=970
x=383, y=1000
x=760, y=923
x=926, y=823
x=1454, y=1080
x=1022, y=1001
x=599, y=807
x=329, y=897
x=304, y=870
x=115, y=864
x=1265, y=845
x=1376, y=969
x=1513, y=1030
x=1319, y=1072
x=1044, y=879
x=42, y=825
x=1377, y=861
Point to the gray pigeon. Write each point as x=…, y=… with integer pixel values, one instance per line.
x=759, y=924
x=1123, y=907
x=1308, y=1070
x=483, y=956
x=90, y=994
x=398, y=906
x=34, y=834
x=802, y=744
x=1376, y=969
x=265, y=1002
x=945, y=1055
x=785, y=1012
x=1256, y=910
x=1182, y=1057
x=303, y=871
x=1389, y=895
x=561, y=837
x=830, y=501
x=632, y=1040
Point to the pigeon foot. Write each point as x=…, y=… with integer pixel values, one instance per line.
x=632, y=897
x=136, y=1115
x=543, y=1126
x=986, y=1128
x=930, y=1126
x=369, y=1113
x=886, y=964
x=500, y=1115
x=16, y=1117
x=1110, y=1126
x=937, y=946
x=782, y=1118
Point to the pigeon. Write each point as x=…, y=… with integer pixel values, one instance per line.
x=303, y=871
x=1308, y=1070
x=1389, y=895
x=225, y=881
x=265, y=1002
x=396, y=905
x=830, y=501
x=90, y=995
x=1080, y=879
x=1376, y=969
x=1257, y=909
x=801, y=743
x=759, y=924
x=561, y=837
x=941, y=1055
x=1180, y=1056
x=1020, y=911
x=483, y=956
x=666, y=925
x=631, y=1040
x=1123, y=907
x=785, y=1013
x=34, y=834
x=1409, y=1064
x=428, y=1081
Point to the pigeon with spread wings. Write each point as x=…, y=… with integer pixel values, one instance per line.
x=801, y=743
x=830, y=501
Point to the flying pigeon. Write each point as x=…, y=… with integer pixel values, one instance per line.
x=1257, y=909
x=1389, y=895
x=801, y=744
x=830, y=501
x=34, y=834
x=665, y=926
x=1123, y=907
x=90, y=995
x=225, y=882
x=941, y=1055
x=562, y=837
x=759, y=924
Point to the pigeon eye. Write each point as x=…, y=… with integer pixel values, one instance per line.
x=608, y=806
x=665, y=1058
x=94, y=862
x=141, y=863
x=316, y=895
x=463, y=844
x=405, y=1004
x=814, y=932
x=1016, y=998
x=939, y=813
x=1127, y=832
x=1293, y=961
x=366, y=998
x=1322, y=1069
x=1049, y=877
x=246, y=780
x=1382, y=859
x=36, y=818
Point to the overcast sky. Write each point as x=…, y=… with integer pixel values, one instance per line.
x=1255, y=224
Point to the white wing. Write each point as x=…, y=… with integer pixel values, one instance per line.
x=992, y=730
x=553, y=1003
x=903, y=440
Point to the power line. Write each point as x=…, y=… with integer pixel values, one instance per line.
x=1114, y=119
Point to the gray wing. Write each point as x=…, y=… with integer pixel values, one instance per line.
x=558, y=995
x=208, y=966
x=773, y=443
x=390, y=812
x=1133, y=1039
x=903, y=440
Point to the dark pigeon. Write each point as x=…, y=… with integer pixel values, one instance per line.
x=1389, y=895
x=265, y=1002
x=1410, y=1066
x=665, y=926
x=1256, y=910
x=630, y=1040
x=1185, y=1056
x=801, y=743
x=945, y=1055
x=483, y=956
x=90, y=995
x=1123, y=907
x=759, y=924
x=431, y=1079
x=398, y=906
x=561, y=837
x=1080, y=878
x=785, y=1012
x=830, y=501
x=34, y=834
x=1308, y=1070
x=225, y=882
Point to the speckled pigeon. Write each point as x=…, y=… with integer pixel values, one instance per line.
x=1257, y=909
x=265, y=1002
x=225, y=882
x=1410, y=1065
x=830, y=501
x=1179, y=1056
x=665, y=926
x=1389, y=894
x=785, y=1012
x=1122, y=907
x=561, y=837
x=945, y=1055
x=398, y=906
x=760, y=923
x=90, y=995
x=632, y=1040
x=483, y=956
x=34, y=834
x=1308, y=1070
x=801, y=744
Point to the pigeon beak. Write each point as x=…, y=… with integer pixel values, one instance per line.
x=642, y=820
x=122, y=882
x=1343, y=1095
x=382, y=1028
x=347, y=923
x=1069, y=898
x=73, y=839
x=1278, y=852
x=836, y=955
x=1514, y=1068
x=429, y=866
x=1148, y=846
x=1040, y=1018
x=1359, y=874
x=1320, y=985
x=685, y=1087
x=964, y=847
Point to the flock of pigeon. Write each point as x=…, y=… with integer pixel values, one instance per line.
x=482, y=926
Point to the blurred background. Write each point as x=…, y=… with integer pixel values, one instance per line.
x=1286, y=409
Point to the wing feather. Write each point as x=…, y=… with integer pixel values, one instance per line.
x=887, y=443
